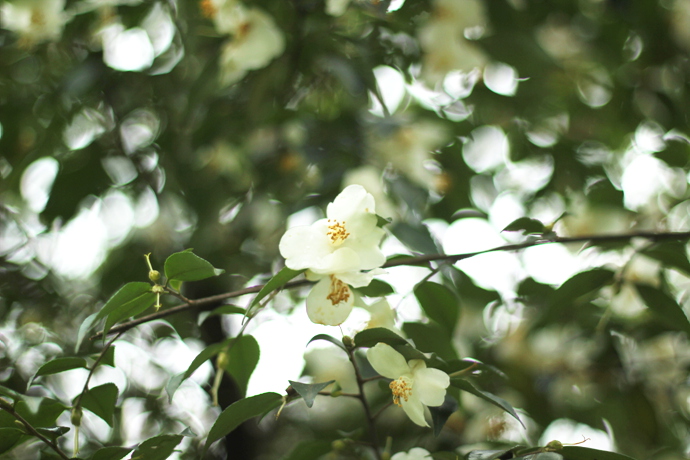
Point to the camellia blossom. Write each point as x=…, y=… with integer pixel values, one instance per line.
x=338, y=252
x=414, y=385
x=416, y=453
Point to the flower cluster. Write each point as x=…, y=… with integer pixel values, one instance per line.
x=340, y=252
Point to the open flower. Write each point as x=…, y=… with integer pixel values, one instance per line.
x=414, y=385
x=416, y=453
x=338, y=252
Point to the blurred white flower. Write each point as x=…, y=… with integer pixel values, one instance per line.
x=382, y=315
x=369, y=177
x=256, y=39
x=336, y=7
x=416, y=453
x=414, y=385
x=34, y=20
x=338, y=251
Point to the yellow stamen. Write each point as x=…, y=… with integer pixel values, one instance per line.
x=339, y=292
x=337, y=231
x=401, y=389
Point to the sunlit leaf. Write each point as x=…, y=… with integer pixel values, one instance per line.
x=416, y=237
x=58, y=365
x=101, y=401
x=376, y=288
x=309, y=391
x=277, y=281
x=239, y=412
x=187, y=266
x=466, y=385
x=157, y=448
x=130, y=300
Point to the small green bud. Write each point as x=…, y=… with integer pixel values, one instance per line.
x=75, y=417
x=154, y=275
x=223, y=360
x=158, y=289
x=554, y=445
x=338, y=445
x=348, y=342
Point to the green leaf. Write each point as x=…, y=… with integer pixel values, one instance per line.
x=54, y=432
x=9, y=438
x=130, y=300
x=440, y=414
x=39, y=412
x=328, y=338
x=111, y=453
x=109, y=357
x=416, y=237
x=370, y=337
x=439, y=303
x=582, y=283
x=526, y=225
x=671, y=254
x=222, y=310
x=187, y=266
x=277, y=281
x=444, y=456
x=205, y=354
x=242, y=360
x=309, y=450
x=59, y=365
x=376, y=288
x=664, y=308
x=9, y=393
x=586, y=453
x=157, y=448
x=467, y=386
x=431, y=338
x=84, y=329
x=239, y=412
x=101, y=401
x=489, y=454
x=308, y=391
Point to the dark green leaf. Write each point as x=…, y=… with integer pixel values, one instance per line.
x=440, y=414
x=59, y=365
x=381, y=221
x=370, y=337
x=490, y=454
x=444, y=456
x=581, y=284
x=467, y=386
x=222, y=310
x=328, y=338
x=130, y=300
x=526, y=225
x=239, y=412
x=309, y=450
x=44, y=414
x=278, y=281
x=308, y=391
x=242, y=360
x=187, y=266
x=439, y=303
x=9, y=393
x=101, y=401
x=586, y=453
x=109, y=357
x=54, y=432
x=205, y=354
x=670, y=253
x=84, y=329
x=376, y=288
x=9, y=437
x=158, y=448
x=664, y=308
x=431, y=338
x=111, y=453
x=416, y=237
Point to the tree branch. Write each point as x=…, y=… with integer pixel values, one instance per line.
x=412, y=260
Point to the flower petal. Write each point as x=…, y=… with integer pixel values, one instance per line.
x=341, y=260
x=414, y=408
x=330, y=302
x=387, y=362
x=353, y=200
x=430, y=386
x=304, y=247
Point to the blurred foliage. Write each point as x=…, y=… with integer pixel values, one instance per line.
x=573, y=112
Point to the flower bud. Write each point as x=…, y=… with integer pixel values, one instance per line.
x=338, y=445
x=554, y=445
x=223, y=360
x=154, y=275
x=75, y=417
x=348, y=342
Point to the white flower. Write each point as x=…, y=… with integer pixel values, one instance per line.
x=416, y=453
x=414, y=385
x=335, y=251
x=34, y=20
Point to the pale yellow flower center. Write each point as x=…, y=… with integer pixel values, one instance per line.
x=401, y=388
x=336, y=231
x=339, y=292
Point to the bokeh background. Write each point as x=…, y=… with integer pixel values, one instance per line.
x=132, y=127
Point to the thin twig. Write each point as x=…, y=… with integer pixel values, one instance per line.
x=93, y=368
x=365, y=404
x=7, y=407
x=413, y=260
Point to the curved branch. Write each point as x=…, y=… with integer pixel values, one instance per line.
x=412, y=260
